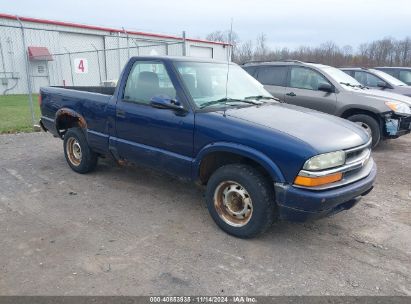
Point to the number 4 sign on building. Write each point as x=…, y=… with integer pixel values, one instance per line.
x=80, y=65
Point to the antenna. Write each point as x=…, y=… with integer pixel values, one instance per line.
x=230, y=35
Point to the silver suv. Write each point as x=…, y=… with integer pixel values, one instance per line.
x=379, y=80
x=330, y=90
x=401, y=73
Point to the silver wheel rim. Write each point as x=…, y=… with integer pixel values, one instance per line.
x=233, y=203
x=73, y=150
x=365, y=127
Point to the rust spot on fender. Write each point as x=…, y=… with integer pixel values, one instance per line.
x=68, y=117
x=82, y=122
x=122, y=162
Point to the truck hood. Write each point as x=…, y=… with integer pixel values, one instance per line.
x=384, y=95
x=323, y=132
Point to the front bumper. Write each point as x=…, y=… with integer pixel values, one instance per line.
x=396, y=127
x=296, y=204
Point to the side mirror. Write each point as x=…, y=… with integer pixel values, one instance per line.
x=382, y=84
x=165, y=102
x=326, y=87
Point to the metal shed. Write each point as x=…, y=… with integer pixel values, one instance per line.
x=38, y=52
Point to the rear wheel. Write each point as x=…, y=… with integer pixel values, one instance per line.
x=370, y=125
x=78, y=154
x=241, y=200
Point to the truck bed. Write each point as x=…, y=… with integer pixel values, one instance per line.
x=89, y=102
x=93, y=89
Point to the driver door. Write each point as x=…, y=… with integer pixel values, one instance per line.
x=302, y=90
x=160, y=138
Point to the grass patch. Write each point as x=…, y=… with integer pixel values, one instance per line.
x=15, y=113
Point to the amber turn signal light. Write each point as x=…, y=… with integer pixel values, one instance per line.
x=317, y=181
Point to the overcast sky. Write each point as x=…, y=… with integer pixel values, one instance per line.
x=286, y=23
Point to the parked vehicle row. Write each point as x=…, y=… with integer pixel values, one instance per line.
x=376, y=79
x=401, y=73
x=260, y=160
x=327, y=89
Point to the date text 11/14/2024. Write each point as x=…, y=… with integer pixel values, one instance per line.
x=203, y=299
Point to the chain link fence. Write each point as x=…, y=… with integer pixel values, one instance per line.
x=33, y=57
x=97, y=67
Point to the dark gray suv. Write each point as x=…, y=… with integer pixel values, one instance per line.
x=330, y=90
x=379, y=80
x=401, y=73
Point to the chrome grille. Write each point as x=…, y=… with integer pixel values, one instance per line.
x=358, y=154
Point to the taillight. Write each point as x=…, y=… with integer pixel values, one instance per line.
x=39, y=99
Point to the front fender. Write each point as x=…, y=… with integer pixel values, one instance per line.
x=359, y=107
x=242, y=150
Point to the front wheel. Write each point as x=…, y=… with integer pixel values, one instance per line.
x=370, y=125
x=240, y=200
x=78, y=154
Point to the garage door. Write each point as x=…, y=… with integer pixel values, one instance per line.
x=201, y=51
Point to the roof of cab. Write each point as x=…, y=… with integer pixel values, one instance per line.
x=181, y=58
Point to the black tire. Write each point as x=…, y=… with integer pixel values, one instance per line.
x=87, y=160
x=368, y=121
x=260, y=191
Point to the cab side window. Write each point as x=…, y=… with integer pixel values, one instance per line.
x=304, y=78
x=146, y=80
x=272, y=75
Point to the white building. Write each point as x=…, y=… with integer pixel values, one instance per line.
x=63, y=53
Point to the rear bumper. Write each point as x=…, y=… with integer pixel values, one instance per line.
x=296, y=204
x=47, y=124
x=42, y=126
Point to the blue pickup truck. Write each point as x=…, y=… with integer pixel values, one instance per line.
x=260, y=160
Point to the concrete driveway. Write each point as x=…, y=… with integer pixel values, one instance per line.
x=132, y=231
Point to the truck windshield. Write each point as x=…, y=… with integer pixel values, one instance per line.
x=207, y=84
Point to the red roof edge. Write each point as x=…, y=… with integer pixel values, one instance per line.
x=106, y=29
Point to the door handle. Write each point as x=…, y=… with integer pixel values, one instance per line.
x=120, y=113
x=292, y=94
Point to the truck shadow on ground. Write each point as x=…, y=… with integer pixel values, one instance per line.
x=188, y=198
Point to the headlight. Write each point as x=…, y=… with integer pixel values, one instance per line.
x=398, y=107
x=325, y=161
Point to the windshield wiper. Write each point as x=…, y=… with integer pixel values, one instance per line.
x=348, y=84
x=354, y=85
x=260, y=97
x=226, y=100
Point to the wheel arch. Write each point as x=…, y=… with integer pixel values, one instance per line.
x=353, y=111
x=67, y=118
x=215, y=155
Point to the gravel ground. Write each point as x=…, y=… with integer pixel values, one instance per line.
x=132, y=231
